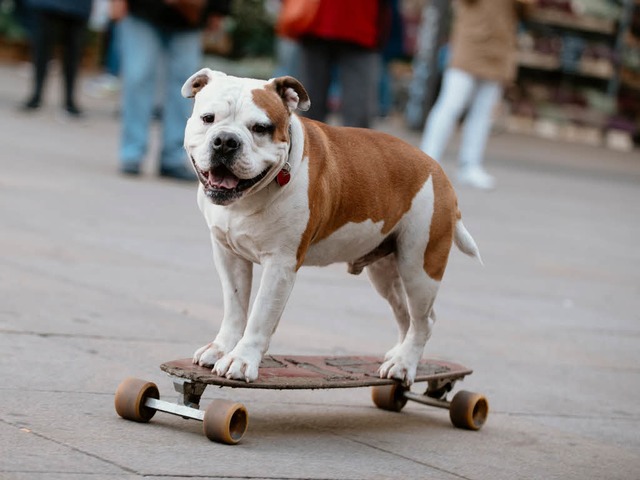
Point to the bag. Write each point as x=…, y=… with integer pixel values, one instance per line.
x=191, y=10
x=296, y=16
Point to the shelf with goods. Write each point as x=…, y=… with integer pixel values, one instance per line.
x=629, y=78
x=569, y=75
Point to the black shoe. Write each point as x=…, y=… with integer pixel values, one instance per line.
x=178, y=173
x=31, y=105
x=73, y=111
x=131, y=170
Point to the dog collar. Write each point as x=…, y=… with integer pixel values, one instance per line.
x=284, y=175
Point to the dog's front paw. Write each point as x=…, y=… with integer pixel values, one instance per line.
x=400, y=368
x=395, y=351
x=239, y=364
x=208, y=355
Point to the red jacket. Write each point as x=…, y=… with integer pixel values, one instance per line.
x=354, y=21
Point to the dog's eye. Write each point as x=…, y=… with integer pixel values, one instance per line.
x=261, y=128
x=208, y=118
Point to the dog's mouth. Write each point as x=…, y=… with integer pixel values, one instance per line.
x=222, y=186
x=221, y=178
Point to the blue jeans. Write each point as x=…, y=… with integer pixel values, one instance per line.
x=152, y=58
x=460, y=89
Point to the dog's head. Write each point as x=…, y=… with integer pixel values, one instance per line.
x=238, y=135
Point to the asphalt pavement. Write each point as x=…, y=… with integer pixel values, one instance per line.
x=103, y=277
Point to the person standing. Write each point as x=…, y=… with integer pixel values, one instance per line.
x=483, y=60
x=160, y=42
x=347, y=35
x=68, y=18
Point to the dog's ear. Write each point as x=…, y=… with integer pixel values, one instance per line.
x=198, y=80
x=292, y=93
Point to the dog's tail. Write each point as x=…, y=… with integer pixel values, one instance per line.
x=465, y=242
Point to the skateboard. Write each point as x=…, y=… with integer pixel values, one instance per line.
x=226, y=421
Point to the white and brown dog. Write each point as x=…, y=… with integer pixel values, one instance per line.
x=283, y=191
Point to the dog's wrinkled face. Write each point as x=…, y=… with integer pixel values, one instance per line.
x=238, y=134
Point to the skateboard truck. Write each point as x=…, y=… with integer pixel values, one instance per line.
x=225, y=421
x=189, y=391
x=467, y=410
x=188, y=404
x=439, y=388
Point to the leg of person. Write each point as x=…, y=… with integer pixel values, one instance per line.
x=457, y=88
x=43, y=38
x=112, y=61
x=359, y=75
x=315, y=75
x=183, y=58
x=140, y=48
x=287, y=55
x=475, y=134
x=385, y=89
x=73, y=38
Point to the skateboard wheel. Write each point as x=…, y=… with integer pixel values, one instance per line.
x=225, y=421
x=389, y=397
x=130, y=397
x=469, y=410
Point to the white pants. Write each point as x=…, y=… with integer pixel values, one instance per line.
x=460, y=89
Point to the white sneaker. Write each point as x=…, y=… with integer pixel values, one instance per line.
x=476, y=177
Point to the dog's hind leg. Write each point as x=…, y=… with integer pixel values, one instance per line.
x=384, y=276
x=402, y=360
x=423, y=246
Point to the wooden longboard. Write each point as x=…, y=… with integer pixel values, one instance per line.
x=288, y=372
x=226, y=421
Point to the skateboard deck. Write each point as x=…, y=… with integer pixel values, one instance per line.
x=287, y=372
x=226, y=421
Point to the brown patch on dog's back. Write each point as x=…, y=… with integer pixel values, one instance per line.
x=374, y=177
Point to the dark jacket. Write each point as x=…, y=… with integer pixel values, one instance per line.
x=168, y=17
x=76, y=8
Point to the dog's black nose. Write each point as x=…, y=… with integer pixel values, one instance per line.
x=226, y=142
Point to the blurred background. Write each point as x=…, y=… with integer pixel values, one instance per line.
x=578, y=75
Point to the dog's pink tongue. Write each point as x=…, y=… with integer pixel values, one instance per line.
x=223, y=179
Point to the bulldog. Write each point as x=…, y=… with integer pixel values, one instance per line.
x=284, y=192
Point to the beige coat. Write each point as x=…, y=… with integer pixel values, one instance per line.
x=483, y=40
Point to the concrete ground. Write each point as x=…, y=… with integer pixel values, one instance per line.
x=102, y=277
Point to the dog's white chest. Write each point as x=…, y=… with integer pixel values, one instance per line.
x=273, y=231
x=240, y=242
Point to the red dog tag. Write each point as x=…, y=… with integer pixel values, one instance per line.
x=283, y=177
